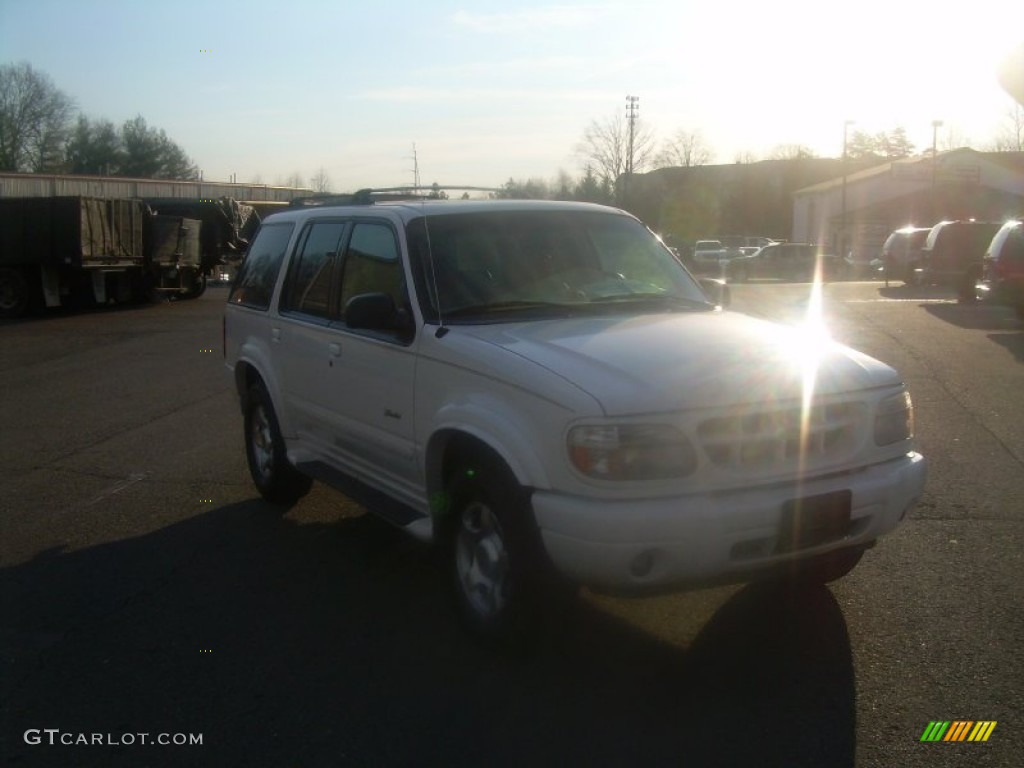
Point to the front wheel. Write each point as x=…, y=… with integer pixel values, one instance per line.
x=492, y=546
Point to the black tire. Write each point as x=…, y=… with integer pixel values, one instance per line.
x=143, y=289
x=198, y=288
x=965, y=290
x=276, y=479
x=15, y=292
x=493, y=551
x=826, y=568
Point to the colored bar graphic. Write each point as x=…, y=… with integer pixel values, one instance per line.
x=935, y=730
x=958, y=730
x=982, y=730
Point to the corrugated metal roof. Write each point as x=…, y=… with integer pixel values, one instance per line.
x=46, y=185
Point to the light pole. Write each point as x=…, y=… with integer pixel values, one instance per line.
x=632, y=107
x=842, y=226
x=936, y=124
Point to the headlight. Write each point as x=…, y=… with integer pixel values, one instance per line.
x=631, y=452
x=894, y=419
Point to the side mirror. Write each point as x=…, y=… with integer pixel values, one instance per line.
x=372, y=311
x=716, y=290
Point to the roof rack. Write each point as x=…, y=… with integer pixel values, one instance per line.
x=369, y=196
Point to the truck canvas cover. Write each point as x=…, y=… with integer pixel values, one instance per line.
x=75, y=231
x=228, y=225
x=173, y=241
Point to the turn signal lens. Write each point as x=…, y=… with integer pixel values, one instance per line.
x=631, y=452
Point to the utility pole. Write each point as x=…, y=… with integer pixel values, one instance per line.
x=632, y=108
x=936, y=124
x=842, y=227
x=415, y=167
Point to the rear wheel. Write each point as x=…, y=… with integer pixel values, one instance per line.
x=198, y=288
x=965, y=293
x=14, y=292
x=275, y=478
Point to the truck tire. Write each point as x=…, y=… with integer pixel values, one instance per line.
x=274, y=477
x=198, y=288
x=15, y=292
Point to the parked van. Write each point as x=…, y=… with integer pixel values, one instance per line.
x=953, y=254
x=901, y=253
x=1002, y=279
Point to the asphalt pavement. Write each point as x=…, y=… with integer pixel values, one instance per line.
x=148, y=595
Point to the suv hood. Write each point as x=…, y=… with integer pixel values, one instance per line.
x=662, y=363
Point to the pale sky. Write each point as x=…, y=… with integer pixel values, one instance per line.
x=493, y=90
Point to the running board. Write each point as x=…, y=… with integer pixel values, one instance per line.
x=375, y=501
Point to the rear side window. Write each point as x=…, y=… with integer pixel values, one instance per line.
x=308, y=289
x=258, y=273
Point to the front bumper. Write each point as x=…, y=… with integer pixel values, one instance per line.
x=652, y=543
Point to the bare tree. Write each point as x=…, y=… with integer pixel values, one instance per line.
x=953, y=138
x=791, y=152
x=562, y=185
x=34, y=120
x=605, y=148
x=292, y=180
x=1011, y=137
x=320, y=182
x=746, y=157
x=685, y=149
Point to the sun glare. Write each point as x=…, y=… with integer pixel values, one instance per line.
x=812, y=339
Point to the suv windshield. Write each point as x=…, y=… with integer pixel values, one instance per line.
x=502, y=263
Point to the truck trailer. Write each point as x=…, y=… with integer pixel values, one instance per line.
x=68, y=249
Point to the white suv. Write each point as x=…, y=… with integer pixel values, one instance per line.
x=543, y=387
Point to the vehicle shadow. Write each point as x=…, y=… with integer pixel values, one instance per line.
x=1012, y=342
x=910, y=291
x=977, y=317
x=287, y=643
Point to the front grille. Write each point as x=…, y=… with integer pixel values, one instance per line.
x=782, y=439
